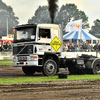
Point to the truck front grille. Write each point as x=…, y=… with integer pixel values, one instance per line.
x=22, y=58
x=23, y=49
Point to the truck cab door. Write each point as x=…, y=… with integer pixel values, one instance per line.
x=56, y=33
x=44, y=39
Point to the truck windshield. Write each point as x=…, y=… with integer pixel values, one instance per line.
x=25, y=34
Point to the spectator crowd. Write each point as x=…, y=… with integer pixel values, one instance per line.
x=85, y=47
x=5, y=46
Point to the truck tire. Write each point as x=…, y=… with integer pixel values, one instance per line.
x=96, y=66
x=29, y=70
x=50, y=68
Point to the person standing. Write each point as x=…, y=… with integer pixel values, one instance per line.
x=96, y=47
x=0, y=46
x=5, y=47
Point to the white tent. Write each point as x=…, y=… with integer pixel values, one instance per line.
x=80, y=35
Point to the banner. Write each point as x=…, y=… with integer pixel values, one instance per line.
x=10, y=36
x=74, y=26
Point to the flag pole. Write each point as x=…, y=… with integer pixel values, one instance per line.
x=80, y=34
x=7, y=27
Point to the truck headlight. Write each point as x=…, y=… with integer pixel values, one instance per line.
x=30, y=58
x=15, y=59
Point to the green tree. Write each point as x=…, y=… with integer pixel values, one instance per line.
x=95, y=29
x=70, y=12
x=41, y=15
x=67, y=13
x=7, y=15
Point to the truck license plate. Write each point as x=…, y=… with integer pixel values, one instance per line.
x=80, y=61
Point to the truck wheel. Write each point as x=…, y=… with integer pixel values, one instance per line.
x=50, y=68
x=29, y=70
x=96, y=66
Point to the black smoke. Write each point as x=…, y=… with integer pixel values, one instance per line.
x=53, y=7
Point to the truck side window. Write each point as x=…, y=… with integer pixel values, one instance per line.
x=44, y=33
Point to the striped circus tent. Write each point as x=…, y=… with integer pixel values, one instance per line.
x=79, y=35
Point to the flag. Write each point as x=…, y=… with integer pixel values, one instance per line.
x=74, y=26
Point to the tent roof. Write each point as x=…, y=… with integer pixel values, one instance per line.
x=79, y=35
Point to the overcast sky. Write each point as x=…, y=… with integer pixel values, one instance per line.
x=24, y=9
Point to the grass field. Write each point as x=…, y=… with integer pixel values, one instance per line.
x=6, y=62
x=48, y=79
x=43, y=79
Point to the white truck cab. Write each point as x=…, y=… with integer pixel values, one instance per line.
x=32, y=50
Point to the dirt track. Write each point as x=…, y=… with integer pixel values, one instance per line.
x=69, y=90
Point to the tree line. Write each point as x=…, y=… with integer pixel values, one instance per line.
x=64, y=15
x=7, y=16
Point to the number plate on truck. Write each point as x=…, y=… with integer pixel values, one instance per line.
x=80, y=61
